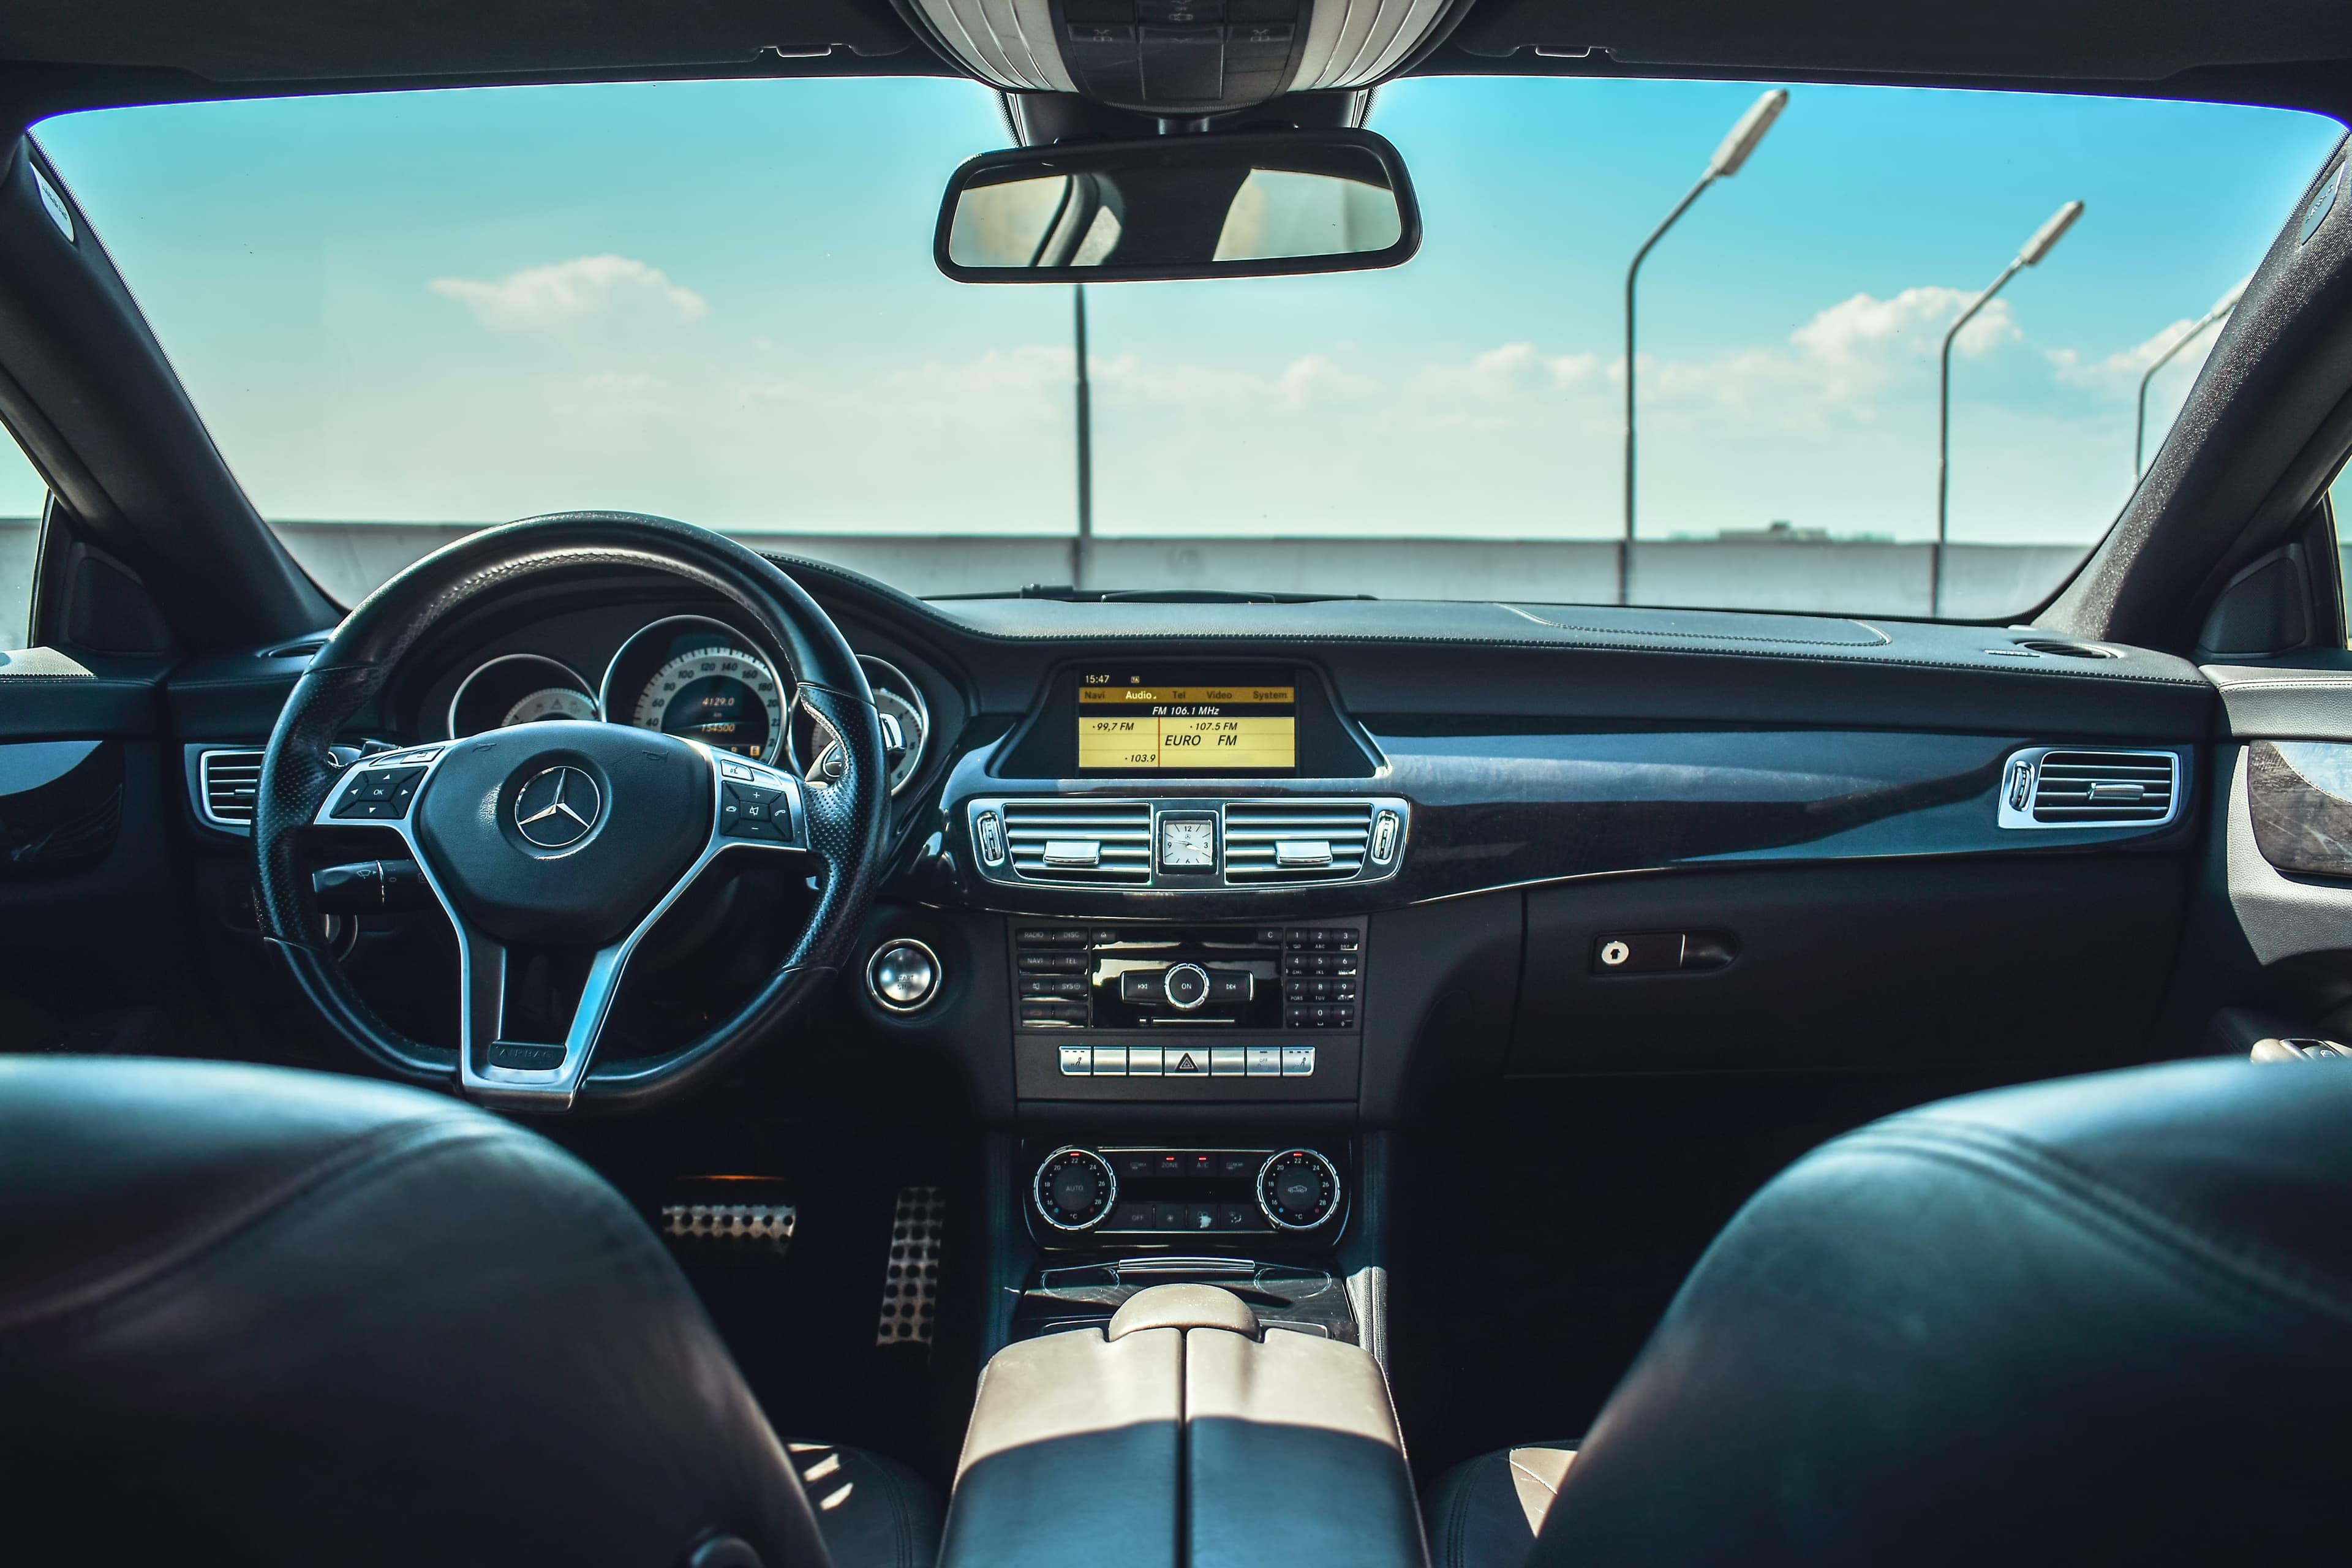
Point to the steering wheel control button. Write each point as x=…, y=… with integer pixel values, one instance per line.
x=747, y=811
x=1186, y=986
x=1298, y=1189
x=558, y=807
x=903, y=975
x=379, y=794
x=1075, y=1189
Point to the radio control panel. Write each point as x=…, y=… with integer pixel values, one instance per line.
x=1180, y=1011
x=1217, y=978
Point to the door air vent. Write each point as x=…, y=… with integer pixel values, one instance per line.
x=1084, y=841
x=1287, y=841
x=2050, y=786
x=227, y=784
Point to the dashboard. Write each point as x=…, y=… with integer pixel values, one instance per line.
x=1235, y=853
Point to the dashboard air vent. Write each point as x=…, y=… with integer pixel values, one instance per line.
x=1080, y=840
x=2054, y=787
x=228, y=782
x=1281, y=841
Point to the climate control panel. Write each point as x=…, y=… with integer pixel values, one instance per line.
x=1160, y=1193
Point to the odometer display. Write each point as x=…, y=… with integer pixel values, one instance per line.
x=719, y=695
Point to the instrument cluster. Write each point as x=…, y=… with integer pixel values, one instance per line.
x=697, y=677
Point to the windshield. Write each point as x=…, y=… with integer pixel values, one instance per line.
x=406, y=314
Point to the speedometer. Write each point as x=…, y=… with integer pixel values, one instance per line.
x=717, y=694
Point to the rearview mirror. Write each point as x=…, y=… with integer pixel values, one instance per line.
x=1249, y=204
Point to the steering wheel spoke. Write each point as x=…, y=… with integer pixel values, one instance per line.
x=752, y=808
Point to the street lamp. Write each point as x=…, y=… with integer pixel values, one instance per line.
x=2221, y=307
x=2035, y=249
x=1733, y=152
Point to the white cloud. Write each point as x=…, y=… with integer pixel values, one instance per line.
x=557, y=298
x=1913, y=323
x=2119, y=372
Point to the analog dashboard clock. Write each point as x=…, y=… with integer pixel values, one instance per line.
x=1187, y=843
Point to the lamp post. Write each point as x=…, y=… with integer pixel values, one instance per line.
x=2031, y=255
x=1083, y=389
x=2221, y=307
x=1733, y=152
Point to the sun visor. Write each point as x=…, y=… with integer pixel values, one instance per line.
x=1183, y=58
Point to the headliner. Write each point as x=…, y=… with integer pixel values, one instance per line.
x=62, y=54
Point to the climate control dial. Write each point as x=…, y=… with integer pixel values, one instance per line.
x=1075, y=1188
x=1298, y=1189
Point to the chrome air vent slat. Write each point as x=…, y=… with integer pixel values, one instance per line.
x=1049, y=840
x=228, y=781
x=1259, y=833
x=1262, y=842
x=2058, y=786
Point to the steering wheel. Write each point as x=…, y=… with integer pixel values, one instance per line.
x=568, y=838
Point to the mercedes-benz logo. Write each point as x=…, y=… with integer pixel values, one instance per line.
x=557, y=807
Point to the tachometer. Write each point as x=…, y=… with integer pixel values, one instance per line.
x=718, y=694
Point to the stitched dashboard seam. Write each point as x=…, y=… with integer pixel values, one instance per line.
x=2219, y=1263
x=1717, y=638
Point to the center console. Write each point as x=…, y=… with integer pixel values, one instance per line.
x=1180, y=1011
x=1182, y=1431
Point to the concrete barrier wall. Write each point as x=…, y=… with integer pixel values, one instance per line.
x=1980, y=581
x=1854, y=578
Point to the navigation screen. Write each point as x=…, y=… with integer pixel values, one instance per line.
x=1132, y=722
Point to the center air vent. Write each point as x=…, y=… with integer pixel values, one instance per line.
x=1080, y=840
x=1277, y=841
x=1204, y=845
x=227, y=784
x=2050, y=787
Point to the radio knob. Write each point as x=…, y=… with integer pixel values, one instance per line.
x=1298, y=1189
x=1186, y=986
x=1075, y=1188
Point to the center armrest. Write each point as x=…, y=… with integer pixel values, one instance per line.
x=1182, y=1438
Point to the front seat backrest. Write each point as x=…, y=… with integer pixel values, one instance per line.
x=2103, y=1319
x=268, y=1317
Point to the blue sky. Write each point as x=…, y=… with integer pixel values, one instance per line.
x=717, y=300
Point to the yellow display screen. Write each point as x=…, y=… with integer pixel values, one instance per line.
x=1130, y=723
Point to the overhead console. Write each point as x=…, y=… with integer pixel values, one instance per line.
x=1188, y=58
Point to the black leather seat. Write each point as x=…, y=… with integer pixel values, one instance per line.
x=268, y=1317
x=2105, y=1319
